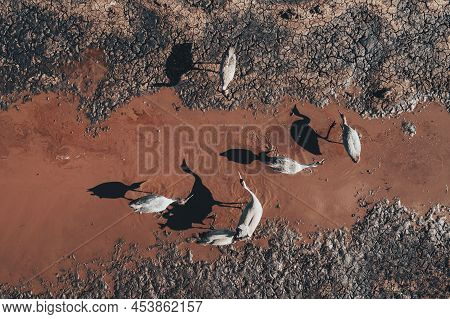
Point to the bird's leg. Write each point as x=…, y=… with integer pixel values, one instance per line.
x=327, y=137
x=229, y=206
x=136, y=190
x=204, y=69
x=207, y=62
x=329, y=131
x=226, y=204
x=230, y=203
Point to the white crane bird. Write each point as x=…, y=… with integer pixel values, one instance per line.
x=351, y=140
x=217, y=237
x=286, y=165
x=251, y=215
x=227, y=69
x=154, y=203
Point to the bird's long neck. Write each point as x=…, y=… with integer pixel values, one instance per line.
x=315, y=164
x=300, y=167
x=344, y=119
x=254, y=198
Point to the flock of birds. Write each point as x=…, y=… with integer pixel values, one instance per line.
x=252, y=212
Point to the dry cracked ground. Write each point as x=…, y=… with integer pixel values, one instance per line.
x=391, y=253
x=380, y=57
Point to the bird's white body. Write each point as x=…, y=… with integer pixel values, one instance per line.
x=351, y=140
x=151, y=204
x=249, y=220
x=287, y=165
x=217, y=237
x=250, y=217
x=227, y=69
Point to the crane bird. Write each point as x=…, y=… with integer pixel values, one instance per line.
x=351, y=140
x=217, y=237
x=227, y=69
x=286, y=165
x=249, y=220
x=154, y=203
x=251, y=215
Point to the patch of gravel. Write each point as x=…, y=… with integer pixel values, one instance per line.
x=380, y=57
x=390, y=253
x=409, y=128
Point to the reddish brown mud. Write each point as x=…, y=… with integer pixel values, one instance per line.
x=48, y=163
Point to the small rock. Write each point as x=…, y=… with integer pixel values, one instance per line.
x=409, y=128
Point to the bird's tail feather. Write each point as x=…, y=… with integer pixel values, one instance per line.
x=242, y=232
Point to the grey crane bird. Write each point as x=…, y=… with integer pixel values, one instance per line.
x=286, y=165
x=351, y=140
x=251, y=215
x=249, y=220
x=217, y=237
x=154, y=203
x=227, y=69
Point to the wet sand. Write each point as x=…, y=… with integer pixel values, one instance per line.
x=48, y=163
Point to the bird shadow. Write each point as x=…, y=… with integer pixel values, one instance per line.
x=179, y=62
x=245, y=157
x=197, y=209
x=114, y=190
x=305, y=136
x=240, y=156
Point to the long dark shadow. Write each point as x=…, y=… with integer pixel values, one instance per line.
x=305, y=136
x=240, y=155
x=197, y=209
x=245, y=157
x=180, y=62
x=114, y=190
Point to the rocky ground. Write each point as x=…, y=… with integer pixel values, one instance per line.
x=391, y=253
x=382, y=57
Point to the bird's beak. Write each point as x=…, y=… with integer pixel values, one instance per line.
x=184, y=201
x=344, y=120
x=241, y=180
